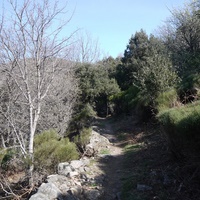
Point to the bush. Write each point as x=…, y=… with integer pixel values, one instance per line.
x=125, y=101
x=3, y=153
x=189, y=88
x=185, y=119
x=83, y=138
x=166, y=100
x=12, y=160
x=82, y=119
x=182, y=127
x=132, y=101
x=50, y=150
x=65, y=151
x=5, y=157
x=44, y=137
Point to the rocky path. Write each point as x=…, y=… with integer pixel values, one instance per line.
x=112, y=165
x=113, y=171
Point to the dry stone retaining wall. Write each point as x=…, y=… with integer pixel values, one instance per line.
x=76, y=180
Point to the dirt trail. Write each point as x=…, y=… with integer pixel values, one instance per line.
x=113, y=170
x=112, y=166
x=144, y=169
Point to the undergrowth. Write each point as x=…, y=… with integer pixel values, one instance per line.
x=50, y=150
x=181, y=126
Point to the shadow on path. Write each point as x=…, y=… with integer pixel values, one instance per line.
x=112, y=163
x=138, y=166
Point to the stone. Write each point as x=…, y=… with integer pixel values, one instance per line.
x=76, y=164
x=52, y=178
x=39, y=196
x=84, y=177
x=50, y=190
x=64, y=168
x=78, y=183
x=72, y=174
x=76, y=191
x=87, y=169
x=64, y=188
x=81, y=170
x=60, y=181
x=90, y=150
x=67, y=196
x=97, y=142
x=75, y=180
x=86, y=161
x=57, y=179
x=92, y=194
x=47, y=191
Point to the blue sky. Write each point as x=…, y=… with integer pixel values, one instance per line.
x=113, y=22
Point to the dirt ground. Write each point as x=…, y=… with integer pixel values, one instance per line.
x=140, y=165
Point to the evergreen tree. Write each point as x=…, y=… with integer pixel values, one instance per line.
x=96, y=86
x=136, y=52
x=146, y=65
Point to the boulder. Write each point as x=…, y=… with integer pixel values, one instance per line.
x=47, y=191
x=61, y=182
x=97, y=142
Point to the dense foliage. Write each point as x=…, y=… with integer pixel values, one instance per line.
x=96, y=86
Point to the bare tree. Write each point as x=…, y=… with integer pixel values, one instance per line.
x=181, y=34
x=32, y=54
x=86, y=49
x=60, y=101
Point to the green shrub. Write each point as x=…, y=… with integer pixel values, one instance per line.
x=49, y=150
x=189, y=88
x=46, y=136
x=83, y=138
x=166, y=100
x=82, y=118
x=133, y=101
x=3, y=152
x=65, y=151
x=125, y=101
x=5, y=156
x=182, y=127
x=185, y=120
x=190, y=81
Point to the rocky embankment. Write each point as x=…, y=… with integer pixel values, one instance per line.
x=83, y=179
